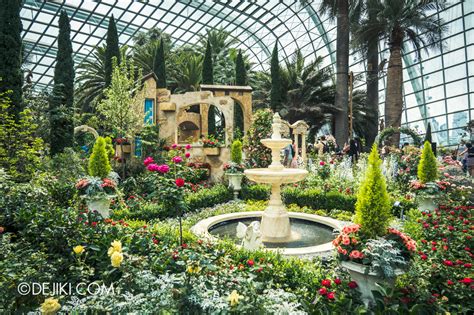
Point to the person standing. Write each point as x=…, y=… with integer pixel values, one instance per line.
x=468, y=159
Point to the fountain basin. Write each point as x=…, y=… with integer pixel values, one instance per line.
x=321, y=245
x=269, y=176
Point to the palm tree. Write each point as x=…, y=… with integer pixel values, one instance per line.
x=187, y=76
x=357, y=11
x=91, y=79
x=400, y=20
x=339, y=9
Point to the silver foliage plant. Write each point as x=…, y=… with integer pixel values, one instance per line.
x=384, y=257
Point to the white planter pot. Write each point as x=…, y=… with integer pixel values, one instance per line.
x=366, y=281
x=426, y=203
x=100, y=205
x=235, y=181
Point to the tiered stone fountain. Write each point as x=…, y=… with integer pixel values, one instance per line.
x=275, y=226
x=294, y=233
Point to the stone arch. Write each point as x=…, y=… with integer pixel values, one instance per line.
x=85, y=128
x=182, y=101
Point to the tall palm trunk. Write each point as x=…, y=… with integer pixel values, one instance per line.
x=342, y=71
x=393, y=95
x=372, y=86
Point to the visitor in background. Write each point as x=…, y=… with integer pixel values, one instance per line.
x=385, y=150
x=468, y=159
x=353, y=151
x=359, y=145
x=289, y=154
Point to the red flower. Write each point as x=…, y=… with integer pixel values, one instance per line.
x=179, y=182
x=449, y=282
x=467, y=265
x=448, y=263
x=466, y=281
x=155, y=241
x=326, y=283
x=94, y=224
x=424, y=257
x=250, y=262
x=337, y=281
x=331, y=296
x=323, y=291
x=184, y=245
x=352, y=285
x=451, y=228
x=322, y=163
x=187, y=155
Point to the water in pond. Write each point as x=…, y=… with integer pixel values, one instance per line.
x=312, y=233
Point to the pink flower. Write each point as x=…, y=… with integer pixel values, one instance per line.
x=322, y=163
x=163, y=169
x=331, y=296
x=323, y=291
x=148, y=161
x=355, y=254
x=188, y=146
x=337, y=281
x=187, y=155
x=174, y=146
x=177, y=159
x=153, y=167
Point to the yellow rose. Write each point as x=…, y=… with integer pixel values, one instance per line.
x=79, y=249
x=193, y=269
x=116, y=259
x=116, y=246
x=50, y=306
x=234, y=297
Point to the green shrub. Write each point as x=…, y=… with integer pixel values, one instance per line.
x=316, y=199
x=146, y=212
x=109, y=147
x=236, y=152
x=373, y=209
x=427, y=168
x=99, y=163
x=411, y=226
x=255, y=192
x=208, y=197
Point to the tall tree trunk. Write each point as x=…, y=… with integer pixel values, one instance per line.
x=372, y=88
x=342, y=71
x=393, y=94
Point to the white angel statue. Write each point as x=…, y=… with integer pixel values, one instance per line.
x=250, y=235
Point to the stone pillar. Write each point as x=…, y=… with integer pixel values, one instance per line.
x=303, y=147
x=296, y=144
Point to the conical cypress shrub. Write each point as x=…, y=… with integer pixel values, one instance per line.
x=240, y=71
x=111, y=50
x=207, y=66
x=99, y=163
x=275, y=94
x=61, y=120
x=11, y=54
x=373, y=209
x=159, y=66
x=428, y=133
x=428, y=166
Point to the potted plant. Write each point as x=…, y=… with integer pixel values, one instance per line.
x=427, y=189
x=370, y=250
x=234, y=170
x=99, y=187
x=211, y=146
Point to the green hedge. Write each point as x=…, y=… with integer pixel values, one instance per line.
x=255, y=192
x=208, y=197
x=203, y=198
x=316, y=199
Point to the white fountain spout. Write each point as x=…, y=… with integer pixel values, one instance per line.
x=276, y=127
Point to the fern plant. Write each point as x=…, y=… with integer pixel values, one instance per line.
x=373, y=208
x=99, y=163
x=427, y=168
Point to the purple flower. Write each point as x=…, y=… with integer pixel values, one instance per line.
x=177, y=159
x=163, y=169
x=153, y=167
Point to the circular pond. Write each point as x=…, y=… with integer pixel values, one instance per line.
x=310, y=233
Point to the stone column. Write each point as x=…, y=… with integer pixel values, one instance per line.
x=303, y=147
x=296, y=144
